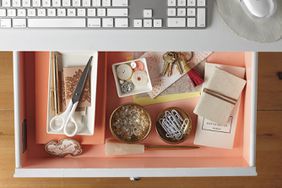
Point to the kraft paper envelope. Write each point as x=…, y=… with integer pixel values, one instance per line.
x=220, y=96
x=212, y=134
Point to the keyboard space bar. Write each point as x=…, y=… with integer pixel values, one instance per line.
x=56, y=22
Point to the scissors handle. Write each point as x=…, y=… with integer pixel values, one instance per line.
x=71, y=128
x=65, y=121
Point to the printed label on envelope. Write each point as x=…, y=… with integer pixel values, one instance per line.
x=209, y=125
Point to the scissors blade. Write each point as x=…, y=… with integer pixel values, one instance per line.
x=81, y=83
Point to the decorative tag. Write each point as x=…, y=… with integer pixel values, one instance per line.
x=63, y=147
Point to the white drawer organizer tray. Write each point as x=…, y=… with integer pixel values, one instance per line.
x=32, y=161
x=70, y=59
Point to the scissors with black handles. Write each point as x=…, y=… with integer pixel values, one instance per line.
x=65, y=121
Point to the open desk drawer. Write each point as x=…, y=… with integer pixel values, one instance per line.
x=32, y=160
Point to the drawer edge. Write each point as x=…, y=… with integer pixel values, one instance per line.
x=17, y=109
x=134, y=172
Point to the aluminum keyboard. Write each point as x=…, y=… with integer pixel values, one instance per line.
x=104, y=14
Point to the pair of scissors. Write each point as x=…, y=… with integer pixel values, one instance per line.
x=65, y=121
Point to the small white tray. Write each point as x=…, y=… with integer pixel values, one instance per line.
x=136, y=91
x=70, y=59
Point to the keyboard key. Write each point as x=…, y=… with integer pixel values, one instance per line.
x=56, y=3
x=201, y=17
x=5, y=23
x=191, y=3
x=158, y=23
x=6, y=3
x=181, y=12
x=191, y=12
x=119, y=3
x=96, y=3
x=2, y=12
x=101, y=12
x=106, y=3
x=11, y=12
x=61, y=12
x=76, y=3
x=36, y=3
x=107, y=22
x=56, y=23
x=21, y=12
x=137, y=23
x=94, y=22
x=31, y=12
x=16, y=3
x=26, y=3
x=81, y=12
x=171, y=12
x=41, y=12
x=51, y=12
x=66, y=3
x=148, y=23
x=71, y=12
x=201, y=3
x=91, y=12
x=181, y=3
x=121, y=22
x=171, y=3
x=117, y=12
x=191, y=22
x=86, y=3
x=176, y=22
x=19, y=23
x=46, y=3
x=147, y=13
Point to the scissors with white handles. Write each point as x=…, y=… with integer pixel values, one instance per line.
x=65, y=121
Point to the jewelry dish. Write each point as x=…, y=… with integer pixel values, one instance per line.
x=173, y=125
x=130, y=123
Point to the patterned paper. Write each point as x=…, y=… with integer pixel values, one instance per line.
x=155, y=65
x=71, y=78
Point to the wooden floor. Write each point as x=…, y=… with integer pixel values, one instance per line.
x=269, y=140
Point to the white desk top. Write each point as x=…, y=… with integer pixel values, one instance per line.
x=216, y=37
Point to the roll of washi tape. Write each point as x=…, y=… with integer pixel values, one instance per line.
x=139, y=65
x=140, y=78
x=121, y=81
x=133, y=65
x=124, y=72
x=127, y=87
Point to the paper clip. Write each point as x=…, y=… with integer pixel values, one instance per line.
x=173, y=124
